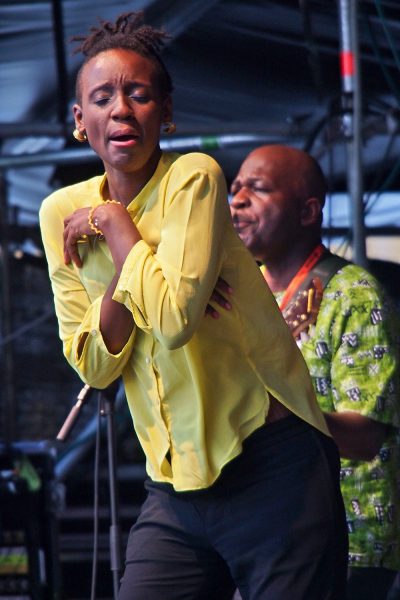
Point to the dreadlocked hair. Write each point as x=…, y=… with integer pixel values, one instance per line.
x=128, y=32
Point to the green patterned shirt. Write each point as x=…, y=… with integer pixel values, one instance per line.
x=350, y=353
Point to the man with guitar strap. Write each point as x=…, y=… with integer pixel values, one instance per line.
x=341, y=320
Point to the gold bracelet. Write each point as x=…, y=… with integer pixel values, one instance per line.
x=93, y=223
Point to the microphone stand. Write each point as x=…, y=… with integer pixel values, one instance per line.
x=107, y=404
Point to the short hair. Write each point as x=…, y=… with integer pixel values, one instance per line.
x=316, y=181
x=130, y=33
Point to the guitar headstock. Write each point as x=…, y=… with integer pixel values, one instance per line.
x=302, y=311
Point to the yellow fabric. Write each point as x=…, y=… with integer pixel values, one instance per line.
x=196, y=386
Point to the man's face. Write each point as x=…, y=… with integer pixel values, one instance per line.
x=265, y=206
x=121, y=108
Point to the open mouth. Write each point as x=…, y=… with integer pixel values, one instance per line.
x=123, y=138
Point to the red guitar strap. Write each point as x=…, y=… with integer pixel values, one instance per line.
x=301, y=275
x=301, y=302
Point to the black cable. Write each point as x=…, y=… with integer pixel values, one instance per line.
x=49, y=312
x=387, y=182
x=96, y=502
x=61, y=64
x=320, y=125
x=312, y=52
x=392, y=46
x=375, y=48
x=376, y=185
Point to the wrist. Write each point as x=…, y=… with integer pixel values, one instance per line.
x=97, y=218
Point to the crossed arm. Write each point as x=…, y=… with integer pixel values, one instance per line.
x=116, y=321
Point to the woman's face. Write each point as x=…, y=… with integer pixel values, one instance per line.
x=121, y=109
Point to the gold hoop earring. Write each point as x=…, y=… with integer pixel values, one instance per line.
x=79, y=136
x=169, y=128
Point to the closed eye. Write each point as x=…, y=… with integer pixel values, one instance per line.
x=101, y=101
x=263, y=190
x=140, y=99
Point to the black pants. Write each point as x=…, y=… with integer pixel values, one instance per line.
x=371, y=582
x=273, y=525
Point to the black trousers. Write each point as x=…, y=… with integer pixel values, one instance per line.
x=371, y=582
x=273, y=525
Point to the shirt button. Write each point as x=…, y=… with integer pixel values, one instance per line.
x=93, y=332
x=147, y=360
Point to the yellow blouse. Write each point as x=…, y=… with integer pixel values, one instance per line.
x=196, y=386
